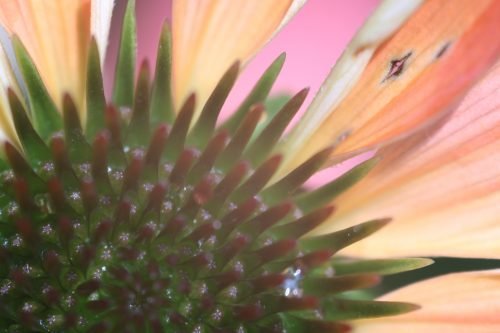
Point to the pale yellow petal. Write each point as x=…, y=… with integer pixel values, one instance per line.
x=442, y=187
x=405, y=83
x=454, y=303
x=56, y=35
x=210, y=35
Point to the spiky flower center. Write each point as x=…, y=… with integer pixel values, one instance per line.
x=139, y=223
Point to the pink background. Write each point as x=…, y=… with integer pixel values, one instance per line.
x=313, y=40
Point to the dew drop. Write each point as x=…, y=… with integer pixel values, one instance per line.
x=124, y=238
x=105, y=200
x=106, y=253
x=69, y=301
x=148, y=187
x=27, y=269
x=329, y=272
x=116, y=175
x=8, y=176
x=12, y=208
x=74, y=196
x=217, y=315
x=167, y=207
x=27, y=307
x=84, y=169
x=17, y=241
x=291, y=285
x=48, y=167
x=5, y=287
x=47, y=230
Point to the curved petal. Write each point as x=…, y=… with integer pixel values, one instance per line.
x=442, y=187
x=454, y=303
x=208, y=36
x=409, y=81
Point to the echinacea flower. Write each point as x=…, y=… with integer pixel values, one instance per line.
x=139, y=213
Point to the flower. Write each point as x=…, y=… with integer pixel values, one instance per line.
x=145, y=219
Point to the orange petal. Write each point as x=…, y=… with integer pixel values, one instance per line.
x=454, y=303
x=442, y=187
x=53, y=33
x=411, y=80
x=209, y=36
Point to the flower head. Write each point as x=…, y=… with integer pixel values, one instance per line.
x=140, y=212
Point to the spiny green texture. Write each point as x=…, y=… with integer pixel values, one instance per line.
x=148, y=222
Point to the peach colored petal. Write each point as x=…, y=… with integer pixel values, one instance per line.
x=442, y=186
x=454, y=303
x=411, y=80
x=55, y=34
x=208, y=36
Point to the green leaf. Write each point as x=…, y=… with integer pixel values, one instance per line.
x=43, y=109
x=309, y=201
x=378, y=266
x=258, y=94
x=96, y=101
x=123, y=94
x=344, y=309
x=162, y=108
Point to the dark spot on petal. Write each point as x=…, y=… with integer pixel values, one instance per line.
x=443, y=50
x=397, y=66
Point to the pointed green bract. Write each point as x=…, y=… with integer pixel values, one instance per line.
x=34, y=147
x=46, y=119
x=308, y=201
x=96, y=101
x=258, y=94
x=337, y=284
x=123, y=94
x=337, y=240
x=297, y=324
x=272, y=106
x=257, y=151
x=79, y=149
x=345, y=309
x=205, y=124
x=377, y=266
x=287, y=185
x=138, y=131
x=162, y=108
